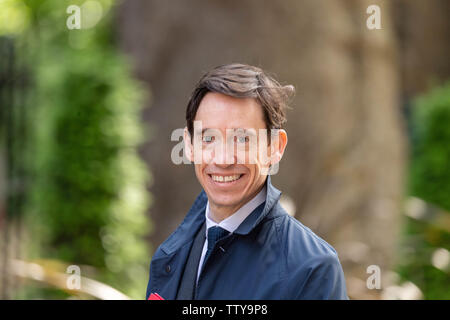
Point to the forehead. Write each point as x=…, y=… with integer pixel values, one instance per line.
x=217, y=110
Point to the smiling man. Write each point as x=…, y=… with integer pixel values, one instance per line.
x=237, y=242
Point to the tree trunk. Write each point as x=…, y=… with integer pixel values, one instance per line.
x=344, y=163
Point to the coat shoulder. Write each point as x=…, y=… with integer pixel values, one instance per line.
x=312, y=266
x=300, y=244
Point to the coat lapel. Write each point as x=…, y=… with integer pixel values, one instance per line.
x=169, y=260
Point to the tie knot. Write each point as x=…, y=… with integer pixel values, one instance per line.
x=215, y=234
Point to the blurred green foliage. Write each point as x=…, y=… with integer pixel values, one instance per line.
x=87, y=193
x=429, y=180
x=430, y=165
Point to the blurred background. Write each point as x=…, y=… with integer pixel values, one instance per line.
x=87, y=185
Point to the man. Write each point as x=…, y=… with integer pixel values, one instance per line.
x=237, y=242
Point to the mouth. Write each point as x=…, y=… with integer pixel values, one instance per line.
x=225, y=180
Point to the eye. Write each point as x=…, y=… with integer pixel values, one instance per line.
x=208, y=139
x=242, y=139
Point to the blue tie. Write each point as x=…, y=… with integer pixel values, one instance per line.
x=214, y=234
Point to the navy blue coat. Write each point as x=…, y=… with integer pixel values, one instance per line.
x=271, y=255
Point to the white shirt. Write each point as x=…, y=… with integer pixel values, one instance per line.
x=232, y=222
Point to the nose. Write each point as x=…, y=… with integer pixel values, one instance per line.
x=224, y=155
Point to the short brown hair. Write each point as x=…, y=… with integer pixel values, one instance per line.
x=243, y=81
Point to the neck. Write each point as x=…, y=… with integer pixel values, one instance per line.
x=219, y=213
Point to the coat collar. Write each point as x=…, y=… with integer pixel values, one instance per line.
x=196, y=216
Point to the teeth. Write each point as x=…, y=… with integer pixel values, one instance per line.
x=226, y=178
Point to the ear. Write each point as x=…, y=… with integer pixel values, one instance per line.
x=278, y=145
x=188, y=147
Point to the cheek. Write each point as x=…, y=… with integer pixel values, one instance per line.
x=253, y=172
x=244, y=157
x=207, y=154
x=261, y=156
x=248, y=155
x=199, y=171
x=264, y=156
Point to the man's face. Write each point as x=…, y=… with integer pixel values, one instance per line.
x=229, y=176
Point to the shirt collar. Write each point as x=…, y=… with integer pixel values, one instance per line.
x=232, y=222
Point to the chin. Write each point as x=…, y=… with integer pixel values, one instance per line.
x=220, y=200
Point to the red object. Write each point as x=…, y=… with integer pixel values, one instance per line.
x=155, y=296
